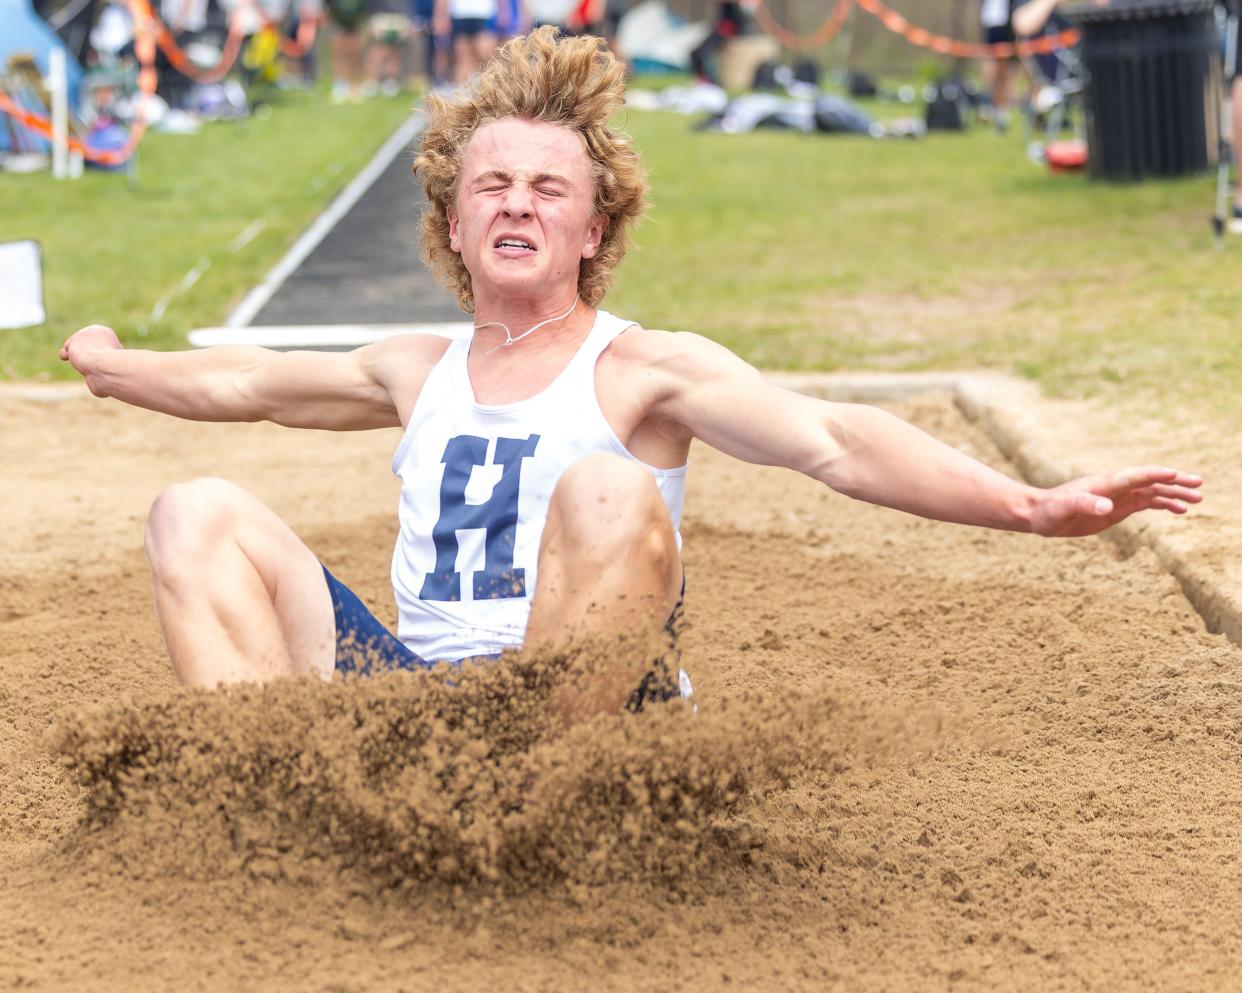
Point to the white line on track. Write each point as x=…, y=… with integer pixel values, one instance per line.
x=254, y=301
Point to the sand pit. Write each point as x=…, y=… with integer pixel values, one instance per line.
x=925, y=757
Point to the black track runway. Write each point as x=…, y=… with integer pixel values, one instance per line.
x=367, y=270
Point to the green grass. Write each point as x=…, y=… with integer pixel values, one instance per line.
x=804, y=252
x=953, y=251
x=111, y=253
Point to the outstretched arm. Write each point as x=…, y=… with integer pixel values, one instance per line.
x=871, y=455
x=334, y=391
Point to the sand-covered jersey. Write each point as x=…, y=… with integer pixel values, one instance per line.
x=476, y=482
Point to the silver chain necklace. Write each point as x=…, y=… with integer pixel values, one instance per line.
x=510, y=340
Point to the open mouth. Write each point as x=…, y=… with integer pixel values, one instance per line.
x=514, y=244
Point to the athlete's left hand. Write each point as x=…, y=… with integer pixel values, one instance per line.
x=1091, y=504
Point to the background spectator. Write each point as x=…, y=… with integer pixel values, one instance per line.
x=346, y=20
x=558, y=13
x=472, y=24
x=436, y=45
x=389, y=28
x=998, y=71
x=705, y=60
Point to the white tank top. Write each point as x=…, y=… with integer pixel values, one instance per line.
x=463, y=9
x=994, y=13
x=476, y=482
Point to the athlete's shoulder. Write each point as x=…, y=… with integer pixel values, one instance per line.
x=404, y=355
x=402, y=364
x=681, y=353
x=649, y=346
x=411, y=345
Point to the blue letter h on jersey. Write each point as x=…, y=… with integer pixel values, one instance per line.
x=498, y=515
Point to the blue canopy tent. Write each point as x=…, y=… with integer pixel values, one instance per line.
x=24, y=31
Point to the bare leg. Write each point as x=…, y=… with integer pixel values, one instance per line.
x=441, y=58
x=609, y=562
x=347, y=52
x=373, y=62
x=463, y=59
x=608, y=567
x=390, y=64
x=238, y=595
x=1000, y=88
x=484, y=48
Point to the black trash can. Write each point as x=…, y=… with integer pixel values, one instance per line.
x=1152, y=99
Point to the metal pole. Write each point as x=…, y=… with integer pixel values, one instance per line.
x=1226, y=150
x=58, y=83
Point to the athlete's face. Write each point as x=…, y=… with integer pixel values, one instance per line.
x=525, y=218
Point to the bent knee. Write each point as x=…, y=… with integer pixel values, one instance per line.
x=187, y=517
x=609, y=500
x=603, y=479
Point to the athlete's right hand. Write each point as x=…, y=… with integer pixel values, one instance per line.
x=80, y=349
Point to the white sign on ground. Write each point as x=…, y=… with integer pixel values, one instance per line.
x=21, y=285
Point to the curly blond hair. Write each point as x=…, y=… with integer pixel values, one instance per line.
x=574, y=82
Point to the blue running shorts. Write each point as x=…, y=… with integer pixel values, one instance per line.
x=364, y=645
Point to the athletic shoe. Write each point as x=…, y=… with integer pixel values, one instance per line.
x=390, y=87
x=1235, y=222
x=340, y=91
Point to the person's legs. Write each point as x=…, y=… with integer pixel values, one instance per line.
x=463, y=58
x=998, y=72
x=238, y=595
x=390, y=66
x=373, y=65
x=1003, y=75
x=442, y=59
x=340, y=82
x=608, y=567
x=383, y=58
x=347, y=50
x=608, y=562
x=484, y=48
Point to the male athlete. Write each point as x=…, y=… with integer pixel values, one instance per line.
x=543, y=462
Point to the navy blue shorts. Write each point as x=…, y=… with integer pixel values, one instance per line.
x=364, y=645
x=469, y=27
x=1000, y=34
